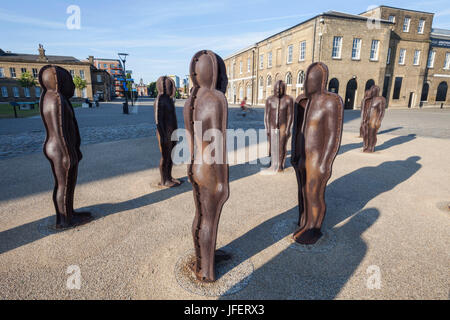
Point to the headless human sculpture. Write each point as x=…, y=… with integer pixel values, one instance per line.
x=375, y=115
x=278, y=118
x=62, y=143
x=207, y=171
x=364, y=107
x=166, y=124
x=317, y=132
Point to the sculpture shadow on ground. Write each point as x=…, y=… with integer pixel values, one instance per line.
x=389, y=130
x=27, y=233
x=385, y=145
x=298, y=275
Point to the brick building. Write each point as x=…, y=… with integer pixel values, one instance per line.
x=115, y=69
x=385, y=46
x=13, y=65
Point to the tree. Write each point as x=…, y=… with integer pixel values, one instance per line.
x=26, y=80
x=152, y=92
x=79, y=83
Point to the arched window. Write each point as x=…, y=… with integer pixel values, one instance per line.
x=289, y=79
x=241, y=93
x=333, y=86
x=260, y=88
x=269, y=80
x=249, y=92
x=301, y=77
x=441, y=93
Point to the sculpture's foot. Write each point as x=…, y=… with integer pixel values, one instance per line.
x=270, y=171
x=170, y=183
x=307, y=236
x=367, y=151
x=219, y=256
x=78, y=219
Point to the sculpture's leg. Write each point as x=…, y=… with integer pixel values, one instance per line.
x=204, y=230
x=63, y=193
x=165, y=166
x=282, y=152
x=372, y=138
x=300, y=174
x=315, y=207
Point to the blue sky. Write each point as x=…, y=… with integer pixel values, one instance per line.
x=162, y=36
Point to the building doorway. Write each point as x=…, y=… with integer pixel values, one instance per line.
x=411, y=99
x=425, y=89
x=441, y=93
x=350, y=94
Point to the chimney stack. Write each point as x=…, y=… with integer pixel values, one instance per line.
x=91, y=60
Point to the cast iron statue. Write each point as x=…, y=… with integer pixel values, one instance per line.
x=374, y=116
x=364, y=107
x=207, y=171
x=317, y=132
x=166, y=124
x=278, y=122
x=62, y=143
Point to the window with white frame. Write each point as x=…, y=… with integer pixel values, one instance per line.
x=35, y=72
x=72, y=73
x=302, y=51
x=240, y=67
x=248, y=64
x=301, y=77
x=421, y=26
x=269, y=60
x=16, y=92
x=402, y=56
x=82, y=74
x=84, y=91
x=260, y=88
x=289, y=54
x=2, y=73
x=416, y=57
x=27, y=92
x=391, y=18
x=374, y=50
x=388, y=56
x=447, y=61
x=4, y=92
x=23, y=70
x=406, y=23
x=289, y=79
x=269, y=80
x=261, y=61
x=431, y=56
x=12, y=72
x=356, y=49
x=37, y=92
x=337, y=48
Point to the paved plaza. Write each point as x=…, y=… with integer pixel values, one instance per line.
x=387, y=215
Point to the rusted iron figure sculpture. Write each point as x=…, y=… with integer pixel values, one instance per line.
x=62, y=143
x=278, y=118
x=364, y=107
x=317, y=132
x=206, y=110
x=374, y=116
x=166, y=124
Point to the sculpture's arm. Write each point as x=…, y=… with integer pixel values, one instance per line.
x=333, y=124
x=266, y=117
x=290, y=117
x=161, y=124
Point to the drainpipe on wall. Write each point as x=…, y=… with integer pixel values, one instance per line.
x=314, y=40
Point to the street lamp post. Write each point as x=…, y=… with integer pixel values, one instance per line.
x=123, y=58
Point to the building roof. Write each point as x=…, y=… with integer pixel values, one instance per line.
x=24, y=57
x=382, y=6
x=440, y=33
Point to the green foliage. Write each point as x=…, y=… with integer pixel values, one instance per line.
x=177, y=95
x=26, y=80
x=152, y=92
x=80, y=84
